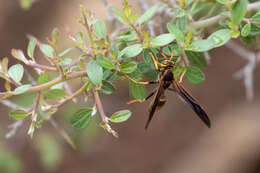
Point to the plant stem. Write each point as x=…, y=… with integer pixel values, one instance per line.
x=215, y=19
x=36, y=88
x=78, y=92
x=43, y=67
x=100, y=107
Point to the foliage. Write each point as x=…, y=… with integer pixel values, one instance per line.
x=104, y=59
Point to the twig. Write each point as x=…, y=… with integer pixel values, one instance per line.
x=207, y=57
x=74, y=95
x=246, y=72
x=100, y=107
x=36, y=88
x=215, y=19
x=63, y=133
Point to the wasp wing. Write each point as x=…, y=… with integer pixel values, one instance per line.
x=154, y=103
x=192, y=103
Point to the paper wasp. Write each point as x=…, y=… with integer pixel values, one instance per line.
x=167, y=81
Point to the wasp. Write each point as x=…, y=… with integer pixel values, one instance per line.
x=165, y=82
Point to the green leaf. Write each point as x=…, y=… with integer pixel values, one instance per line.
x=31, y=47
x=105, y=62
x=196, y=59
x=162, y=39
x=238, y=11
x=246, y=30
x=180, y=12
x=137, y=91
x=147, y=57
x=47, y=50
x=220, y=37
x=128, y=67
x=107, y=87
x=119, y=15
x=147, y=70
x=65, y=61
x=18, y=54
x=100, y=29
x=95, y=72
x=44, y=78
x=18, y=114
x=175, y=31
x=131, y=51
x=21, y=89
x=80, y=37
x=65, y=52
x=128, y=36
x=147, y=15
x=202, y=45
x=120, y=116
x=177, y=71
x=16, y=72
x=81, y=118
x=194, y=75
x=256, y=17
x=55, y=94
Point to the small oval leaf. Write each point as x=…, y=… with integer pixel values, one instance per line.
x=128, y=67
x=31, y=47
x=194, y=75
x=100, y=29
x=120, y=116
x=16, y=72
x=137, y=91
x=105, y=62
x=220, y=37
x=21, y=89
x=55, y=94
x=238, y=11
x=131, y=51
x=18, y=114
x=47, y=50
x=246, y=30
x=196, y=59
x=147, y=15
x=107, y=87
x=81, y=118
x=163, y=39
x=44, y=78
x=176, y=32
x=202, y=45
x=95, y=72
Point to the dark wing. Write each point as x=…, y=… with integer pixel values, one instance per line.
x=192, y=103
x=155, y=102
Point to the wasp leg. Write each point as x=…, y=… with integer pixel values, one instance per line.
x=155, y=62
x=143, y=100
x=182, y=75
x=171, y=57
x=138, y=82
x=164, y=56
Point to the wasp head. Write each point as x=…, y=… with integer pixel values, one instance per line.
x=167, y=64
